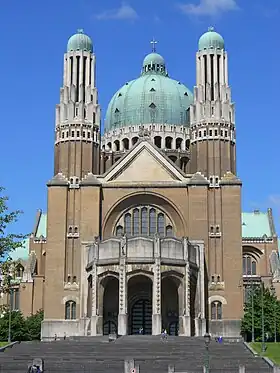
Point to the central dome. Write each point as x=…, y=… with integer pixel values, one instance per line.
x=153, y=98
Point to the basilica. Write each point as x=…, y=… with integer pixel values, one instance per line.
x=144, y=228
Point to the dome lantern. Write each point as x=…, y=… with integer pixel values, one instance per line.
x=80, y=42
x=211, y=40
x=154, y=62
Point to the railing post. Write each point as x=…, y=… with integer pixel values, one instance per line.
x=171, y=368
x=129, y=366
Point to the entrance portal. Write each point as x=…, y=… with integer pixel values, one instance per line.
x=141, y=317
x=170, y=304
x=110, y=305
x=140, y=304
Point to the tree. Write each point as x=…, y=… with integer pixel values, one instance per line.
x=33, y=324
x=8, y=241
x=271, y=308
x=18, y=326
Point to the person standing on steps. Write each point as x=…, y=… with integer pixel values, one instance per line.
x=164, y=335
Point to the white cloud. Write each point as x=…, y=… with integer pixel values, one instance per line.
x=209, y=7
x=124, y=12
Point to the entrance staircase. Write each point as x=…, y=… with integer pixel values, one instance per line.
x=97, y=355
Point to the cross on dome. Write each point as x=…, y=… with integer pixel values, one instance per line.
x=211, y=28
x=154, y=43
x=80, y=31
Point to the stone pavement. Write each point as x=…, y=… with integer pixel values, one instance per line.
x=97, y=355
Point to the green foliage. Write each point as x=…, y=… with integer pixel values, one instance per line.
x=271, y=308
x=33, y=324
x=19, y=330
x=8, y=241
x=22, y=329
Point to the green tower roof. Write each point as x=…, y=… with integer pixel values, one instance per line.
x=80, y=42
x=211, y=40
x=153, y=98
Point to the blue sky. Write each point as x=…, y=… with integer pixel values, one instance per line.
x=33, y=38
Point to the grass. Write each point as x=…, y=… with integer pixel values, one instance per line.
x=3, y=344
x=272, y=351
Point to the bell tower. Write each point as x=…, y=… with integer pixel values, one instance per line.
x=77, y=126
x=77, y=153
x=212, y=113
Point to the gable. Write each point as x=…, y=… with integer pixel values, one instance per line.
x=144, y=164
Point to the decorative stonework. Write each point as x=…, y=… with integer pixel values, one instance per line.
x=157, y=288
x=187, y=290
x=94, y=289
x=122, y=287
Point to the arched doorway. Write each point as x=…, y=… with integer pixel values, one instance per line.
x=193, y=303
x=170, y=304
x=140, y=304
x=89, y=297
x=110, y=304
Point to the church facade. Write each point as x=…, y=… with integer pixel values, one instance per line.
x=144, y=228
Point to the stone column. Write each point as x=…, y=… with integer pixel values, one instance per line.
x=185, y=317
x=122, y=316
x=95, y=318
x=156, y=330
x=200, y=321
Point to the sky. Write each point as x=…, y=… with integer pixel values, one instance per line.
x=33, y=39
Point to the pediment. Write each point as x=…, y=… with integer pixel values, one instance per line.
x=144, y=164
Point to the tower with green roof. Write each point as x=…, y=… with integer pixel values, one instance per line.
x=212, y=112
x=77, y=127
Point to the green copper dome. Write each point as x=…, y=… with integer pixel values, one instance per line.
x=211, y=40
x=79, y=42
x=153, y=98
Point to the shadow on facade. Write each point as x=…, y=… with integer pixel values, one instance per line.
x=110, y=304
x=140, y=290
x=170, y=304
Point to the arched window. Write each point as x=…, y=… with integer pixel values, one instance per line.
x=249, y=265
x=161, y=225
x=119, y=231
x=127, y=224
x=70, y=310
x=216, y=310
x=153, y=221
x=144, y=221
x=169, y=231
x=136, y=228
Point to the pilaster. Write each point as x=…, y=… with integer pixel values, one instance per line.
x=94, y=309
x=186, y=316
x=122, y=317
x=156, y=330
x=200, y=320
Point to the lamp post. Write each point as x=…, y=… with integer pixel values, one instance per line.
x=273, y=292
x=253, y=311
x=10, y=308
x=263, y=336
x=207, y=340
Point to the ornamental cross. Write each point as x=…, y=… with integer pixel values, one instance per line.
x=154, y=43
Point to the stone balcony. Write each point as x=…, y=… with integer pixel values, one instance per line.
x=139, y=249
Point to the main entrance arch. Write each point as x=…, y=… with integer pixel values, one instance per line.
x=110, y=305
x=170, y=304
x=140, y=304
